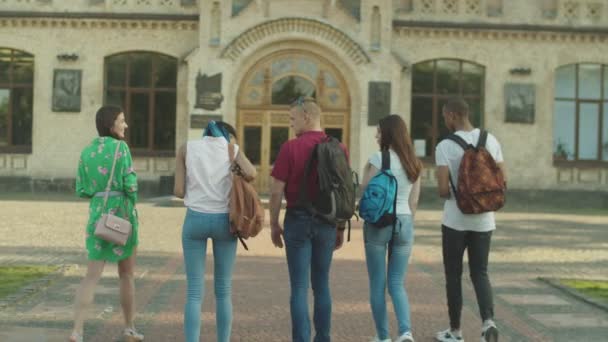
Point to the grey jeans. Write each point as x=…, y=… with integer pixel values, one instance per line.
x=477, y=245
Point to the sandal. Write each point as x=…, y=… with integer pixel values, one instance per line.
x=131, y=335
x=75, y=337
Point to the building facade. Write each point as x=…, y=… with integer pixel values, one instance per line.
x=534, y=72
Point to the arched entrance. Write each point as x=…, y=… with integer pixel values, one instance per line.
x=263, y=104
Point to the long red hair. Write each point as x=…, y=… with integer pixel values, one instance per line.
x=394, y=135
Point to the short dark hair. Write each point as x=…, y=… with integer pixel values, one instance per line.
x=227, y=127
x=457, y=105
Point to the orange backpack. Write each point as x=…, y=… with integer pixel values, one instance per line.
x=481, y=183
x=246, y=211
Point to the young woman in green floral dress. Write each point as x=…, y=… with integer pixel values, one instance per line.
x=94, y=169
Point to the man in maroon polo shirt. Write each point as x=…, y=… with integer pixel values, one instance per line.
x=309, y=242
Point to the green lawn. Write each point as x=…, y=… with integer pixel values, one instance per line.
x=13, y=278
x=591, y=288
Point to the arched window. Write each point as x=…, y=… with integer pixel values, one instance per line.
x=144, y=85
x=285, y=90
x=580, y=114
x=16, y=100
x=433, y=83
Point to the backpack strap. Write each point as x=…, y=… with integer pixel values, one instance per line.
x=231, y=153
x=483, y=137
x=303, y=195
x=457, y=139
x=452, y=184
x=392, y=240
x=386, y=160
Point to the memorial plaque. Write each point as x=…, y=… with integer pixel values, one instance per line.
x=519, y=102
x=209, y=91
x=379, y=101
x=200, y=121
x=66, y=90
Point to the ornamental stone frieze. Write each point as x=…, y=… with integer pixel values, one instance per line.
x=76, y=23
x=501, y=32
x=104, y=6
x=314, y=28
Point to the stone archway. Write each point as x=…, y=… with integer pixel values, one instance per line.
x=263, y=104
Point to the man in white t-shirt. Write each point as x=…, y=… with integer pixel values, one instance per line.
x=472, y=232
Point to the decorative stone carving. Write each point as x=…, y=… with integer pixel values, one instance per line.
x=321, y=31
x=427, y=6
x=438, y=32
x=571, y=10
x=594, y=11
x=449, y=6
x=472, y=7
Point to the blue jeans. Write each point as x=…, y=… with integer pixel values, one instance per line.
x=309, y=244
x=198, y=227
x=380, y=276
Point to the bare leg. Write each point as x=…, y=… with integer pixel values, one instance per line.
x=126, y=270
x=86, y=292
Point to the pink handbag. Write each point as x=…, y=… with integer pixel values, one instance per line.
x=110, y=227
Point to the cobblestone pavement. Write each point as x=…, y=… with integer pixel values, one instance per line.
x=525, y=246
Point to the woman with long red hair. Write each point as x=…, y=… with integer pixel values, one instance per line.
x=392, y=136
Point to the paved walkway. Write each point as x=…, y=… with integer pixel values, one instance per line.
x=525, y=247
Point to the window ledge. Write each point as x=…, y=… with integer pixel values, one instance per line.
x=427, y=161
x=16, y=149
x=157, y=154
x=580, y=163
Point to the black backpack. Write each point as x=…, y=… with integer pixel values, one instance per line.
x=335, y=202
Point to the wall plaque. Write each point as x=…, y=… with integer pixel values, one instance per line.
x=519, y=102
x=200, y=121
x=66, y=90
x=209, y=91
x=379, y=101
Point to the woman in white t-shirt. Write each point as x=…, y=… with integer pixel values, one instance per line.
x=393, y=136
x=203, y=178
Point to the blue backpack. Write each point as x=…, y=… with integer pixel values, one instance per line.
x=378, y=205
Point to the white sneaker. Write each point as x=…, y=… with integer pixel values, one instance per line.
x=448, y=336
x=131, y=335
x=406, y=337
x=376, y=339
x=489, y=332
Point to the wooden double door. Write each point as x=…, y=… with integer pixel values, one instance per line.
x=262, y=132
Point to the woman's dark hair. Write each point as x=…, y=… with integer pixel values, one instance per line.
x=227, y=127
x=394, y=134
x=104, y=120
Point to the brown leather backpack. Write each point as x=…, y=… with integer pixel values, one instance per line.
x=481, y=183
x=246, y=211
